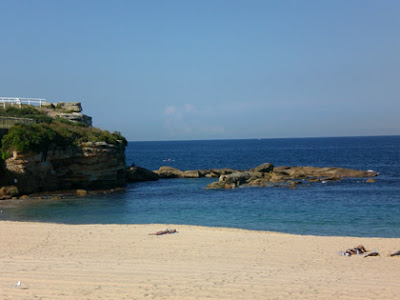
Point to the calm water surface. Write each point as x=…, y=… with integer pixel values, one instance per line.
x=351, y=207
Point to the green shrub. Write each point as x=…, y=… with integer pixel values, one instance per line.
x=40, y=137
x=6, y=154
x=29, y=112
x=41, y=118
x=23, y=112
x=50, y=132
x=24, y=138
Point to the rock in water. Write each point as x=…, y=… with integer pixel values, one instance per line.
x=191, y=174
x=134, y=174
x=7, y=192
x=264, y=168
x=81, y=193
x=169, y=172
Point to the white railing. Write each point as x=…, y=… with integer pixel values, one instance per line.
x=20, y=101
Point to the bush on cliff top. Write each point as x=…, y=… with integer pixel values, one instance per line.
x=20, y=112
x=24, y=138
x=58, y=133
x=26, y=112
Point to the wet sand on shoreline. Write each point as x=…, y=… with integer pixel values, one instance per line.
x=55, y=261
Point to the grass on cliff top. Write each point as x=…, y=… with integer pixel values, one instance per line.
x=25, y=111
x=50, y=133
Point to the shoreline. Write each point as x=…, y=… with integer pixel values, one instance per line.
x=116, y=261
x=169, y=225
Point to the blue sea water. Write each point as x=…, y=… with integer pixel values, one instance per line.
x=350, y=207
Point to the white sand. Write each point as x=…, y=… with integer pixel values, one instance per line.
x=123, y=262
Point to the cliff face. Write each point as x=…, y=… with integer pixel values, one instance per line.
x=91, y=165
x=67, y=110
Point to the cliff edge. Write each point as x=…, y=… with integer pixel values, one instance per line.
x=57, y=152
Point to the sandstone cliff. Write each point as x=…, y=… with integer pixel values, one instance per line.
x=91, y=165
x=60, y=150
x=71, y=111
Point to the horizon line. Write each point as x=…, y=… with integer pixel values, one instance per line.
x=269, y=138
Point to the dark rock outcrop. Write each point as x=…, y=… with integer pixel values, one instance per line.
x=267, y=175
x=215, y=173
x=135, y=174
x=170, y=172
x=264, y=168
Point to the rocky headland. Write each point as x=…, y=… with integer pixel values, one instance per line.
x=59, y=151
x=91, y=165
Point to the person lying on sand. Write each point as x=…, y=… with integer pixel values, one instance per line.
x=360, y=249
x=396, y=253
x=161, y=232
x=372, y=254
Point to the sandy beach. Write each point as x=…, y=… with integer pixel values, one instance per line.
x=53, y=261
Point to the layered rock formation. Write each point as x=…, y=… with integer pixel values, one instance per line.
x=67, y=110
x=169, y=172
x=60, y=156
x=91, y=165
x=286, y=176
x=266, y=175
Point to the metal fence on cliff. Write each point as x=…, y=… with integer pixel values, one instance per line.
x=11, y=101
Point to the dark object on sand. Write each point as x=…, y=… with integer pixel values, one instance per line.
x=162, y=232
x=372, y=254
x=360, y=249
x=396, y=253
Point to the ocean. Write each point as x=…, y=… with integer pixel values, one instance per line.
x=350, y=207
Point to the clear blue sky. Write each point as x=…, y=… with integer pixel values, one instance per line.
x=171, y=70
